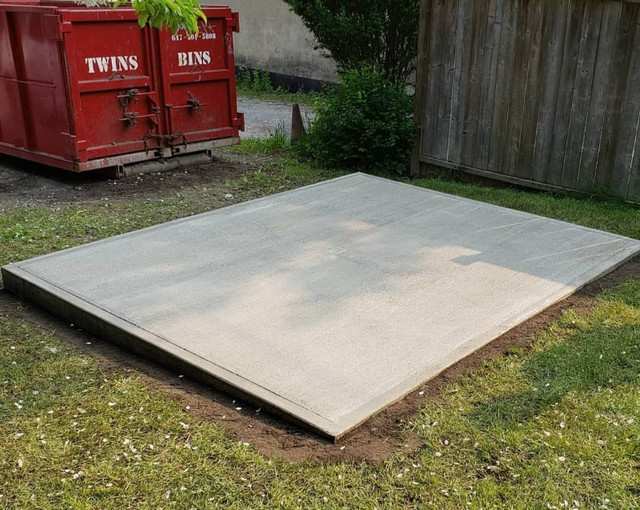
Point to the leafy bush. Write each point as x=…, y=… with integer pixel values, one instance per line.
x=380, y=33
x=254, y=81
x=364, y=124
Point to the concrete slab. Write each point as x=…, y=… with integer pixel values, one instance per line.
x=326, y=303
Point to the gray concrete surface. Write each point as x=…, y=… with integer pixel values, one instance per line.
x=274, y=39
x=263, y=118
x=328, y=302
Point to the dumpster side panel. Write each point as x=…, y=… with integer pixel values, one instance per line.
x=12, y=126
x=35, y=82
x=199, y=79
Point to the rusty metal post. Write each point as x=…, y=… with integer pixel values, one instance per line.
x=297, y=126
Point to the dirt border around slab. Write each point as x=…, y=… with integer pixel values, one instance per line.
x=380, y=437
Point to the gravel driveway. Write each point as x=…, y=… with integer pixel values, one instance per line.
x=263, y=117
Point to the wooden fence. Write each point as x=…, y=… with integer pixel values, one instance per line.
x=544, y=93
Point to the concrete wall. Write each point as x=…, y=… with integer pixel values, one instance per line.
x=274, y=39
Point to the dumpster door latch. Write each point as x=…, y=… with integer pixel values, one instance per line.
x=165, y=140
x=128, y=96
x=131, y=118
x=194, y=102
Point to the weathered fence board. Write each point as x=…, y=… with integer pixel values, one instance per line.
x=504, y=74
x=463, y=50
x=544, y=93
x=532, y=93
x=582, y=93
x=598, y=102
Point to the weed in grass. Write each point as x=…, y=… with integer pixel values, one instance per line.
x=277, y=143
x=279, y=139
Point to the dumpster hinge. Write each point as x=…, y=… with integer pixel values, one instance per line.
x=165, y=140
x=63, y=28
x=239, y=121
x=234, y=21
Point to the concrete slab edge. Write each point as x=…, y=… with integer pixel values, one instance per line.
x=109, y=327
x=357, y=417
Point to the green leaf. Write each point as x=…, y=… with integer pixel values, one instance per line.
x=143, y=18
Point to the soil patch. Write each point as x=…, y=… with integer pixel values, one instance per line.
x=26, y=184
x=377, y=439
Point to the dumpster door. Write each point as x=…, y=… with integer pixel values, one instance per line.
x=115, y=97
x=198, y=81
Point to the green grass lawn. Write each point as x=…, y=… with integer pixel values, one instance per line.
x=556, y=426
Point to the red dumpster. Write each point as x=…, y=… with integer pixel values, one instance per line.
x=86, y=88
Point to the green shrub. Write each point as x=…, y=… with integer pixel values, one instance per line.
x=364, y=124
x=254, y=81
